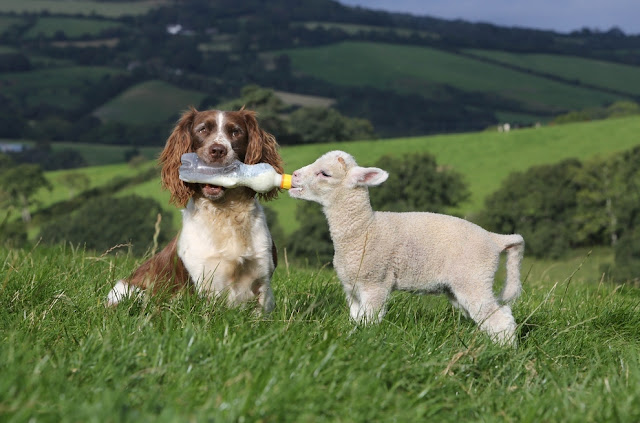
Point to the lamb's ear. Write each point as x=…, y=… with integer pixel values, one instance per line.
x=366, y=176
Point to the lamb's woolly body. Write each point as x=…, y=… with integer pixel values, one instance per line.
x=227, y=250
x=378, y=252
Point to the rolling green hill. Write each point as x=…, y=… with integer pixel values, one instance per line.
x=421, y=70
x=71, y=27
x=484, y=158
x=607, y=75
x=149, y=102
x=57, y=86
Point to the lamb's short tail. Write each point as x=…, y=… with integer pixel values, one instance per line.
x=513, y=245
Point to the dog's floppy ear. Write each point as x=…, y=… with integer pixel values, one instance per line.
x=178, y=143
x=262, y=148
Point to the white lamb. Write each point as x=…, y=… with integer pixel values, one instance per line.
x=378, y=252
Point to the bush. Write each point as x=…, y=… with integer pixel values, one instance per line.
x=107, y=221
x=627, y=256
x=540, y=204
x=311, y=242
x=417, y=183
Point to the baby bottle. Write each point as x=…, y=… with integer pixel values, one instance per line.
x=260, y=177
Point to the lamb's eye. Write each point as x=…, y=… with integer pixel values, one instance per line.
x=323, y=173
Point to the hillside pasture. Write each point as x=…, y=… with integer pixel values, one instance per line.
x=67, y=357
x=149, y=102
x=49, y=27
x=56, y=87
x=419, y=70
x=80, y=7
x=484, y=158
x=607, y=75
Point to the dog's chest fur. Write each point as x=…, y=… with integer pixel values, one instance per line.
x=225, y=249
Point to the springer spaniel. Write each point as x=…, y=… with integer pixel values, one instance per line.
x=224, y=247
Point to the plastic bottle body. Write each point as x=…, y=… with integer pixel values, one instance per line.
x=260, y=177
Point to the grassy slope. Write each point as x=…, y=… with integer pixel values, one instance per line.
x=65, y=357
x=624, y=78
x=414, y=69
x=484, y=158
x=71, y=27
x=82, y=7
x=148, y=102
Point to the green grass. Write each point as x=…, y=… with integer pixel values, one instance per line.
x=623, y=78
x=57, y=87
x=82, y=7
x=409, y=69
x=65, y=357
x=71, y=27
x=149, y=102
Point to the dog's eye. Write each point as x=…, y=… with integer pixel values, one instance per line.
x=324, y=174
x=201, y=130
x=235, y=132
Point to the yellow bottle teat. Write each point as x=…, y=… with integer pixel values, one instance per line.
x=286, y=181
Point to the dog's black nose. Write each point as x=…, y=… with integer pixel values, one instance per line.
x=217, y=151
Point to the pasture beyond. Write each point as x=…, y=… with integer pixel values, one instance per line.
x=484, y=158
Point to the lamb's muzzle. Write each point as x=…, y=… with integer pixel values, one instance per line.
x=377, y=252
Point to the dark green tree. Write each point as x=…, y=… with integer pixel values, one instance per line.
x=417, y=183
x=311, y=242
x=322, y=124
x=266, y=103
x=18, y=186
x=540, y=204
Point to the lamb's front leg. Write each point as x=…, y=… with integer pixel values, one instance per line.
x=367, y=304
x=262, y=290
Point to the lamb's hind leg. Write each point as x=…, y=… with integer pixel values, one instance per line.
x=481, y=305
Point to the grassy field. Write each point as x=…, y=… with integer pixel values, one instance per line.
x=65, y=357
x=57, y=87
x=149, y=102
x=82, y=7
x=71, y=27
x=484, y=158
x=413, y=70
x=623, y=78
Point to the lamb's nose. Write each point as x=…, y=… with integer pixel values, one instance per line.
x=296, y=174
x=217, y=151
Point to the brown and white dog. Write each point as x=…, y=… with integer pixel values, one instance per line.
x=224, y=247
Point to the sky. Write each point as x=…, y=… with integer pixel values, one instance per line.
x=557, y=15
